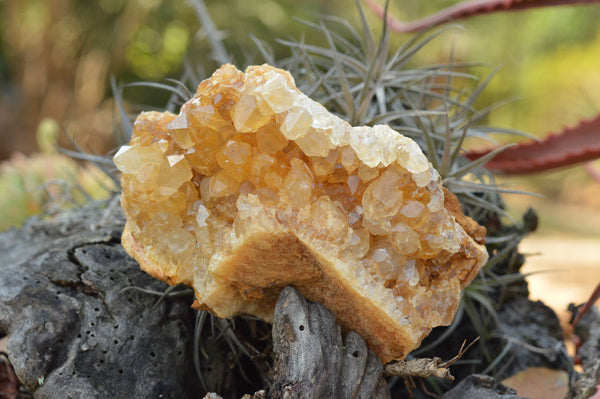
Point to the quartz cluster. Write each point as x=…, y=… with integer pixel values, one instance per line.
x=254, y=187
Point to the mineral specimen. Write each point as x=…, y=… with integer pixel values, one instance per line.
x=254, y=187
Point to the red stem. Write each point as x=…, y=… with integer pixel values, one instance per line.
x=588, y=305
x=466, y=9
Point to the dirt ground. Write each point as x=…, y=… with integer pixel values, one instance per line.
x=564, y=253
x=566, y=269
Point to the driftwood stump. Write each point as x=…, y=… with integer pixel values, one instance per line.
x=73, y=331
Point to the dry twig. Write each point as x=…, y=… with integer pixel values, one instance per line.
x=425, y=367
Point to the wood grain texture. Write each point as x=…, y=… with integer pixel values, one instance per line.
x=312, y=360
x=73, y=331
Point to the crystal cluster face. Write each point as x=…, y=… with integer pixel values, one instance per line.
x=254, y=186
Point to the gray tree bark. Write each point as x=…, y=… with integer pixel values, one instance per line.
x=74, y=332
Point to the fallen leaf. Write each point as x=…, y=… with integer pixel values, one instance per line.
x=540, y=383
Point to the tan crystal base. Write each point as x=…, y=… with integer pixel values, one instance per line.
x=254, y=187
x=264, y=264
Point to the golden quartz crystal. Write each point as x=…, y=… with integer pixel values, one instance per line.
x=254, y=187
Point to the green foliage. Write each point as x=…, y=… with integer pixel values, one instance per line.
x=47, y=182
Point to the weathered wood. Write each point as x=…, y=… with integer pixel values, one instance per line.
x=73, y=331
x=312, y=361
x=588, y=331
x=534, y=334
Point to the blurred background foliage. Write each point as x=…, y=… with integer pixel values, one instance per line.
x=57, y=57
